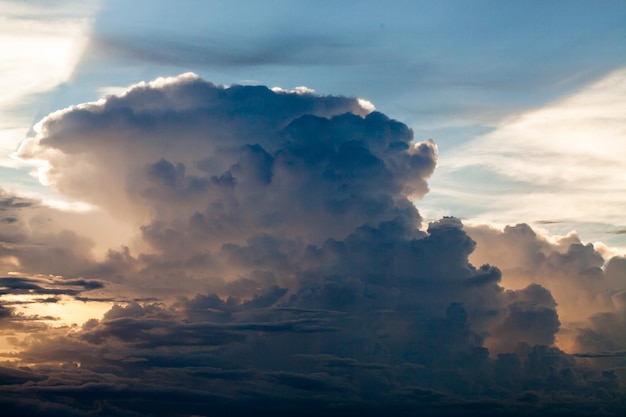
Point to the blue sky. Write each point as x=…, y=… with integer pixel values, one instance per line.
x=199, y=194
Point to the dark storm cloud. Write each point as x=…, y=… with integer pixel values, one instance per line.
x=531, y=318
x=600, y=355
x=291, y=271
x=11, y=376
x=40, y=286
x=151, y=326
x=342, y=340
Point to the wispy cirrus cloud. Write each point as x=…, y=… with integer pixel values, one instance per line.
x=40, y=43
x=559, y=162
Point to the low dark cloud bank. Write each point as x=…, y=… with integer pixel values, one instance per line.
x=288, y=273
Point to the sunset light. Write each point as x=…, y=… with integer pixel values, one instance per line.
x=296, y=208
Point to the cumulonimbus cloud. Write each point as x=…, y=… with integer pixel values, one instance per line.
x=282, y=267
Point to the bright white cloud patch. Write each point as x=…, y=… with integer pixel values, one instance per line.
x=366, y=104
x=563, y=162
x=40, y=45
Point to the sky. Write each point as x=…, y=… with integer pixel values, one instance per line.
x=312, y=208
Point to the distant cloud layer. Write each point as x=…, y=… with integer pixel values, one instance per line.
x=279, y=266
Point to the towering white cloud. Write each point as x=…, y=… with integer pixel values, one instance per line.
x=225, y=163
x=280, y=266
